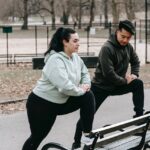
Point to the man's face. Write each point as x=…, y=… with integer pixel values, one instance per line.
x=123, y=37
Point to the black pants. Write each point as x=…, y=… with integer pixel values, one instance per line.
x=136, y=87
x=42, y=115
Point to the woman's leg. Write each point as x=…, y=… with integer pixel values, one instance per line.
x=41, y=116
x=86, y=103
x=87, y=111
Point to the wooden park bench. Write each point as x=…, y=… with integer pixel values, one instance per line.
x=133, y=134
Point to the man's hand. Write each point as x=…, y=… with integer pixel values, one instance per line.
x=130, y=78
x=134, y=76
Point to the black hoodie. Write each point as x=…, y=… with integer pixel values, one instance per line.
x=113, y=64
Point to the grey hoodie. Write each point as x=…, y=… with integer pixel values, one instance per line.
x=61, y=77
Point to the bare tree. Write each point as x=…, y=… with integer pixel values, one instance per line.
x=52, y=14
x=81, y=6
x=25, y=17
x=49, y=6
x=41, y=6
x=115, y=12
x=129, y=7
x=92, y=6
x=8, y=9
x=106, y=12
x=66, y=11
x=77, y=9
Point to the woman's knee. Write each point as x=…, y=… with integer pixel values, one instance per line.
x=89, y=95
x=89, y=99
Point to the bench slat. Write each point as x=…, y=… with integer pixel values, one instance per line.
x=120, y=135
x=120, y=125
x=124, y=144
x=123, y=135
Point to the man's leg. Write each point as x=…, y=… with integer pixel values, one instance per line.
x=136, y=87
x=100, y=96
x=138, y=97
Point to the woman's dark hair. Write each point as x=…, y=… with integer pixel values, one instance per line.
x=56, y=43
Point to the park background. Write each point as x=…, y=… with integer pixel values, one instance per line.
x=26, y=27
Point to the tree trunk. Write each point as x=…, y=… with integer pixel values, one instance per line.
x=66, y=12
x=25, y=17
x=53, y=15
x=106, y=12
x=65, y=18
x=129, y=7
x=115, y=12
x=92, y=13
x=80, y=14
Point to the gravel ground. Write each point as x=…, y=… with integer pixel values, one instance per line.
x=17, y=81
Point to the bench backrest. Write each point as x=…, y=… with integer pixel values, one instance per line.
x=119, y=131
x=90, y=61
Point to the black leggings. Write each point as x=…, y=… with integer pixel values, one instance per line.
x=42, y=115
x=135, y=87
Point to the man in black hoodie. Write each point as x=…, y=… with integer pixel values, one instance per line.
x=112, y=76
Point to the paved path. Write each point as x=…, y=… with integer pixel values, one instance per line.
x=14, y=128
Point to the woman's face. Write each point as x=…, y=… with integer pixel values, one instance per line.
x=72, y=45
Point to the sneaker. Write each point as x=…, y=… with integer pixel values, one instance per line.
x=135, y=116
x=86, y=140
x=76, y=146
x=138, y=124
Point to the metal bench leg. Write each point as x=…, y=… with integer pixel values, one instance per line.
x=147, y=145
x=142, y=143
x=54, y=145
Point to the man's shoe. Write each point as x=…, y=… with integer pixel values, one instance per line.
x=135, y=116
x=86, y=140
x=76, y=146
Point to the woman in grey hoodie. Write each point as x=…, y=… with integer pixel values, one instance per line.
x=64, y=87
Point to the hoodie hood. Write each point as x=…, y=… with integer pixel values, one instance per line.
x=113, y=39
x=54, y=52
x=48, y=55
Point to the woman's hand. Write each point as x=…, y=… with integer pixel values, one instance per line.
x=85, y=87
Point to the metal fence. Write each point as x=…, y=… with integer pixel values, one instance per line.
x=147, y=30
x=21, y=45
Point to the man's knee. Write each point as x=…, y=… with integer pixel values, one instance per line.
x=137, y=83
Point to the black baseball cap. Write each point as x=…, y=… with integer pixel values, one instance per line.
x=127, y=25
